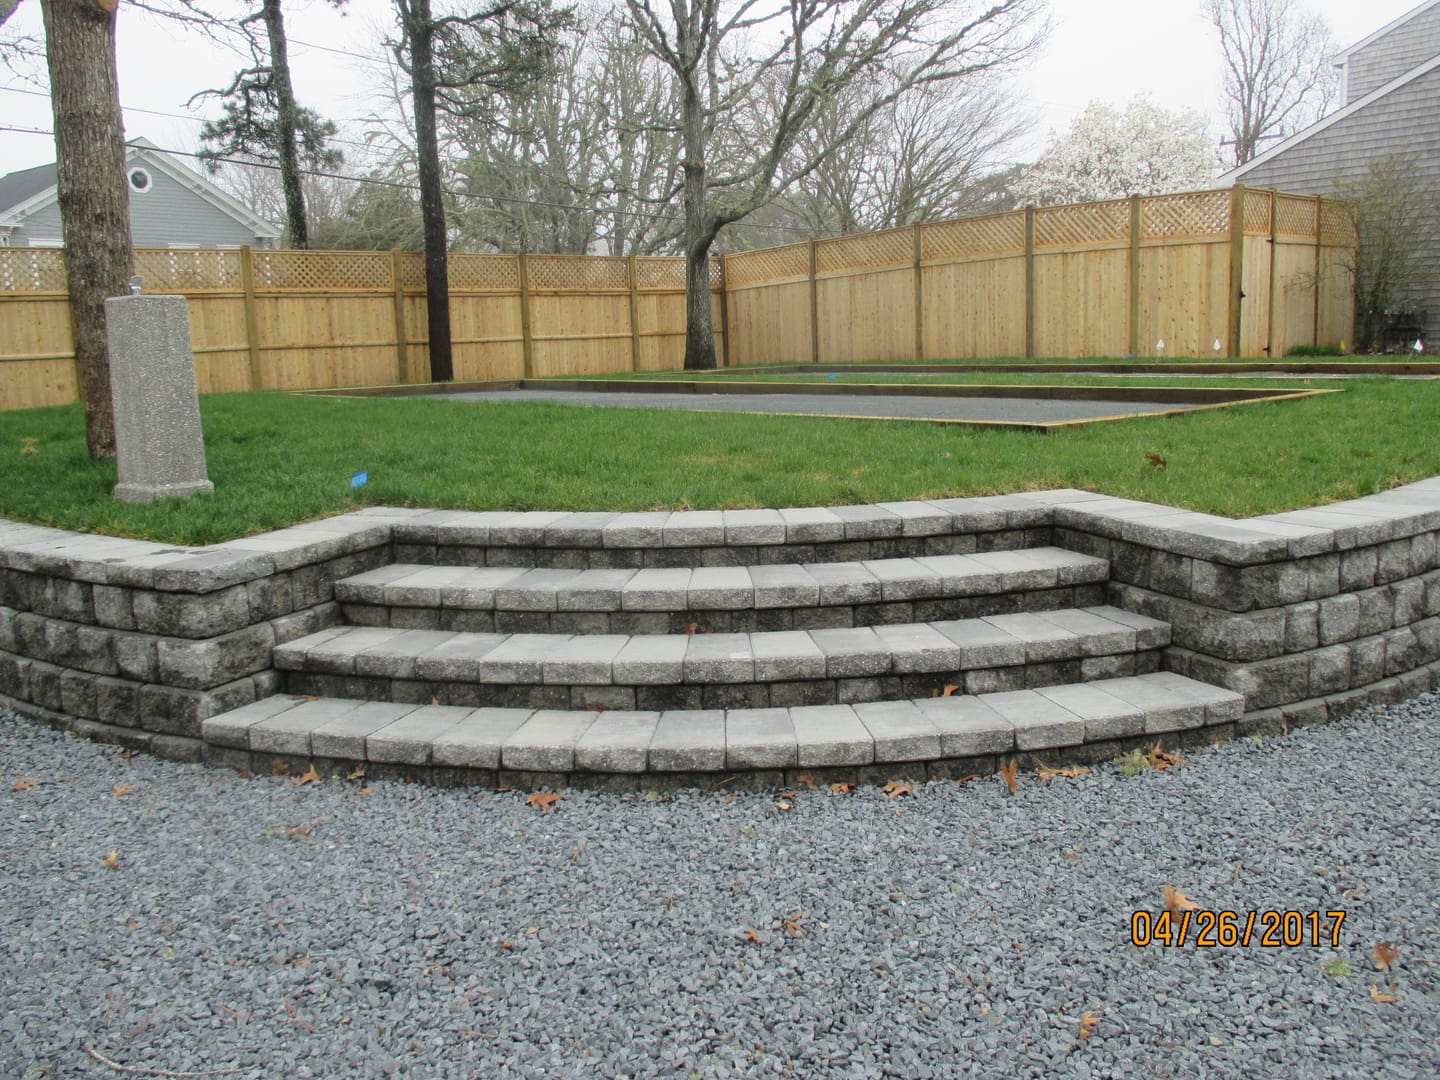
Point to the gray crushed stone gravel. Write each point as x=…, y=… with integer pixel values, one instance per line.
x=256, y=928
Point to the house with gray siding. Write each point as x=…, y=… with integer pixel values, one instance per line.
x=1392, y=87
x=170, y=206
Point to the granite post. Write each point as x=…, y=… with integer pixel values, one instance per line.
x=157, y=415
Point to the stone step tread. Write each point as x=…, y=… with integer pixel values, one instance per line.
x=711, y=740
x=730, y=588
x=767, y=656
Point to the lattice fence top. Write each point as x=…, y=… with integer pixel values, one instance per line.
x=1257, y=213
x=412, y=270
x=877, y=250
x=778, y=264
x=1086, y=223
x=995, y=234
x=27, y=269
x=323, y=271
x=657, y=272
x=1335, y=224
x=1295, y=216
x=1199, y=213
x=479, y=273
x=579, y=273
x=187, y=270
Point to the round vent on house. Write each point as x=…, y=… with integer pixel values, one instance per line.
x=139, y=180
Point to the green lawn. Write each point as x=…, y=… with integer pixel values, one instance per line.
x=279, y=459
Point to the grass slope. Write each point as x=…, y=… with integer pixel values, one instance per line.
x=278, y=459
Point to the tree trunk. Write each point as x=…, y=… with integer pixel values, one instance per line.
x=699, y=235
x=94, y=198
x=420, y=29
x=285, y=124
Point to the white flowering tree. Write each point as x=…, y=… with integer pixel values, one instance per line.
x=1113, y=154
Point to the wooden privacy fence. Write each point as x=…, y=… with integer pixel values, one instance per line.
x=1252, y=271
x=307, y=319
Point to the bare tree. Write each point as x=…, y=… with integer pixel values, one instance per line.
x=507, y=44
x=726, y=58
x=90, y=182
x=263, y=120
x=1395, y=210
x=586, y=158
x=1278, y=72
x=920, y=159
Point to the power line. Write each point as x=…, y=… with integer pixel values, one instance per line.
x=377, y=182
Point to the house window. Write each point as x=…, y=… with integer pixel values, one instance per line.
x=139, y=180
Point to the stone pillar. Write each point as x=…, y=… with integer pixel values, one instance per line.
x=157, y=415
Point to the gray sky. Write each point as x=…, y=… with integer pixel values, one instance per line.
x=1110, y=50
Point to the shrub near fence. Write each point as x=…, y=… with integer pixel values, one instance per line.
x=1254, y=271
x=309, y=319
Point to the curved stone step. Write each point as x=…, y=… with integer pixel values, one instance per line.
x=767, y=669
x=967, y=727
x=720, y=598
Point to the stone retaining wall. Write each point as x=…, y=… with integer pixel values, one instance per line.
x=1309, y=614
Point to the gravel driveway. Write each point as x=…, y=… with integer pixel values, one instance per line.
x=263, y=928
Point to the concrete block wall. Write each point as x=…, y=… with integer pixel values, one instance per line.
x=1309, y=614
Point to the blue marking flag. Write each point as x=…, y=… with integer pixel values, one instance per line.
x=359, y=478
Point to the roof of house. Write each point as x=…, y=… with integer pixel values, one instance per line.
x=24, y=192
x=1320, y=125
x=18, y=187
x=1345, y=54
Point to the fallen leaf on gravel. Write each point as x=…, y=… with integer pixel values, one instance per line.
x=532, y=931
x=300, y=830
x=727, y=800
x=309, y=776
x=896, y=788
x=506, y=945
x=1175, y=900
x=752, y=936
x=1160, y=759
x=278, y=767
x=111, y=861
x=806, y=781
x=366, y=791
x=783, y=804
x=1384, y=955
x=1045, y=772
x=357, y=773
x=792, y=924
x=1089, y=1021
x=1384, y=999
x=967, y=778
x=121, y=789
x=1007, y=773
x=24, y=784
x=842, y=788
x=543, y=800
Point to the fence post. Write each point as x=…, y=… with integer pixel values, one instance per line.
x=252, y=322
x=526, y=346
x=724, y=312
x=1137, y=224
x=634, y=315
x=1030, y=282
x=919, y=300
x=1315, y=322
x=1237, y=270
x=814, y=311
x=1274, y=251
x=402, y=347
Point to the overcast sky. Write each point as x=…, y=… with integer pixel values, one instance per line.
x=1100, y=50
